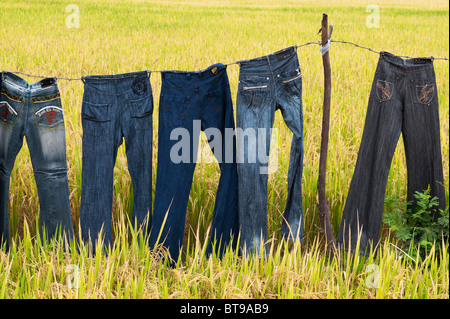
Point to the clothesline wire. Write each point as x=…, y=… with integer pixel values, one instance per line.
x=237, y=62
x=378, y=52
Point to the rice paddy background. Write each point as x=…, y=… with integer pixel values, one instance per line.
x=125, y=36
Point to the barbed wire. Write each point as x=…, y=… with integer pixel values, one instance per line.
x=378, y=52
x=45, y=77
x=296, y=46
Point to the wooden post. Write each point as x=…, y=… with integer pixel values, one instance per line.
x=323, y=205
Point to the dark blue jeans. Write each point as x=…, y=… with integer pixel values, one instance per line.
x=266, y=84
x=190, y=102
x=403, y=100
x=34, y=111
x=115, y=107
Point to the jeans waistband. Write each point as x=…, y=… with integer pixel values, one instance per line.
x=406, y=66
x=269, y=63
x=115, y=77
x=118, y=84
x=18, y=86
x=193, y=79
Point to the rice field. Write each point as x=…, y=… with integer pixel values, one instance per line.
x=119, y=36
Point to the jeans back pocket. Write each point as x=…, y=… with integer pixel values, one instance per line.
x=384, y=89
x=48, y=110
x=8, y=113
x=423, y=91
x=96, y=118
x=216, y=103
x=173, y=109
x=10, y=105
x=141, y=112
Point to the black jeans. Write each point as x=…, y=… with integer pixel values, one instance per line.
x=403, y=100
x=267, y=84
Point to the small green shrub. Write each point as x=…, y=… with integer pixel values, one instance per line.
x=415, y=226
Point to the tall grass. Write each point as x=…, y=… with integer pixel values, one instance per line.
x=124, y=36
x=40, y=269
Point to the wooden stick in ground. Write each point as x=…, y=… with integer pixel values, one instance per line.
x=323, y=205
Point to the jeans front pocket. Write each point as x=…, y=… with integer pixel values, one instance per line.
x=141, y=112
x=173, y=109
x=96, y=118
x=252, y=92
x=48, y=110
x=291, y=82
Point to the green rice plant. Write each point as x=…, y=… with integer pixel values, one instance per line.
x=121, y=36
x=36, y=268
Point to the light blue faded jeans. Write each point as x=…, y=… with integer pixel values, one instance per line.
x=267, y=84
x=34, y=111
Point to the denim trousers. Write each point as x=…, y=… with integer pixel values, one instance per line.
x=115, y=108
x=34, y=111
x=191, y=102
x=403, y=99
x=267, y=84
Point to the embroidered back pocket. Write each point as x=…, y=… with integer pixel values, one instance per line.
x=9, y=107
x=423, y=91
x=8, y=113
x=385, y=90
x=48, y=110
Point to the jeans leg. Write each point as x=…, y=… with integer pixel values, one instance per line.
x=253, y=145
x=364, y=206
x=10, y=144
x=421, y=136
x=100, y=144
x=290, y=102
x=174, y=174
x=225, y=223
x=48, y=155
x=4, y=201
x=138, y=134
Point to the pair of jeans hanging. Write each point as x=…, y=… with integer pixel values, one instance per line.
x=267, y=84
x=190, y=102
x=34, y=111
x=403, y=99
x=115, y=107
